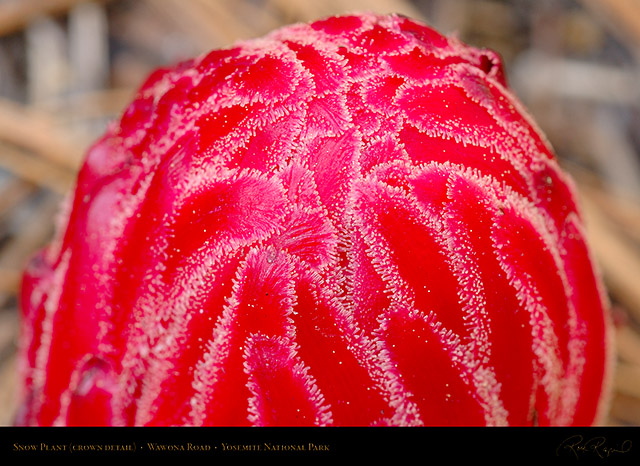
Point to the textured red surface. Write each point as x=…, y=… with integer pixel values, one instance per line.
x=351, y=222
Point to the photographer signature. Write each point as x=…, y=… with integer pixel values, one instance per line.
x=578, y=445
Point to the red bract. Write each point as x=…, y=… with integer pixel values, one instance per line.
x=350, y=222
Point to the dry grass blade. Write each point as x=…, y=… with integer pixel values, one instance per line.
x=619, y=259
x=36, y=170
x=622, y=17
x=38, y=133
x=16, y=14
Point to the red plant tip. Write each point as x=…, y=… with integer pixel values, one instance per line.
x=349, y=222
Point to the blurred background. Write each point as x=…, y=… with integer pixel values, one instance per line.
x=68, y=67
